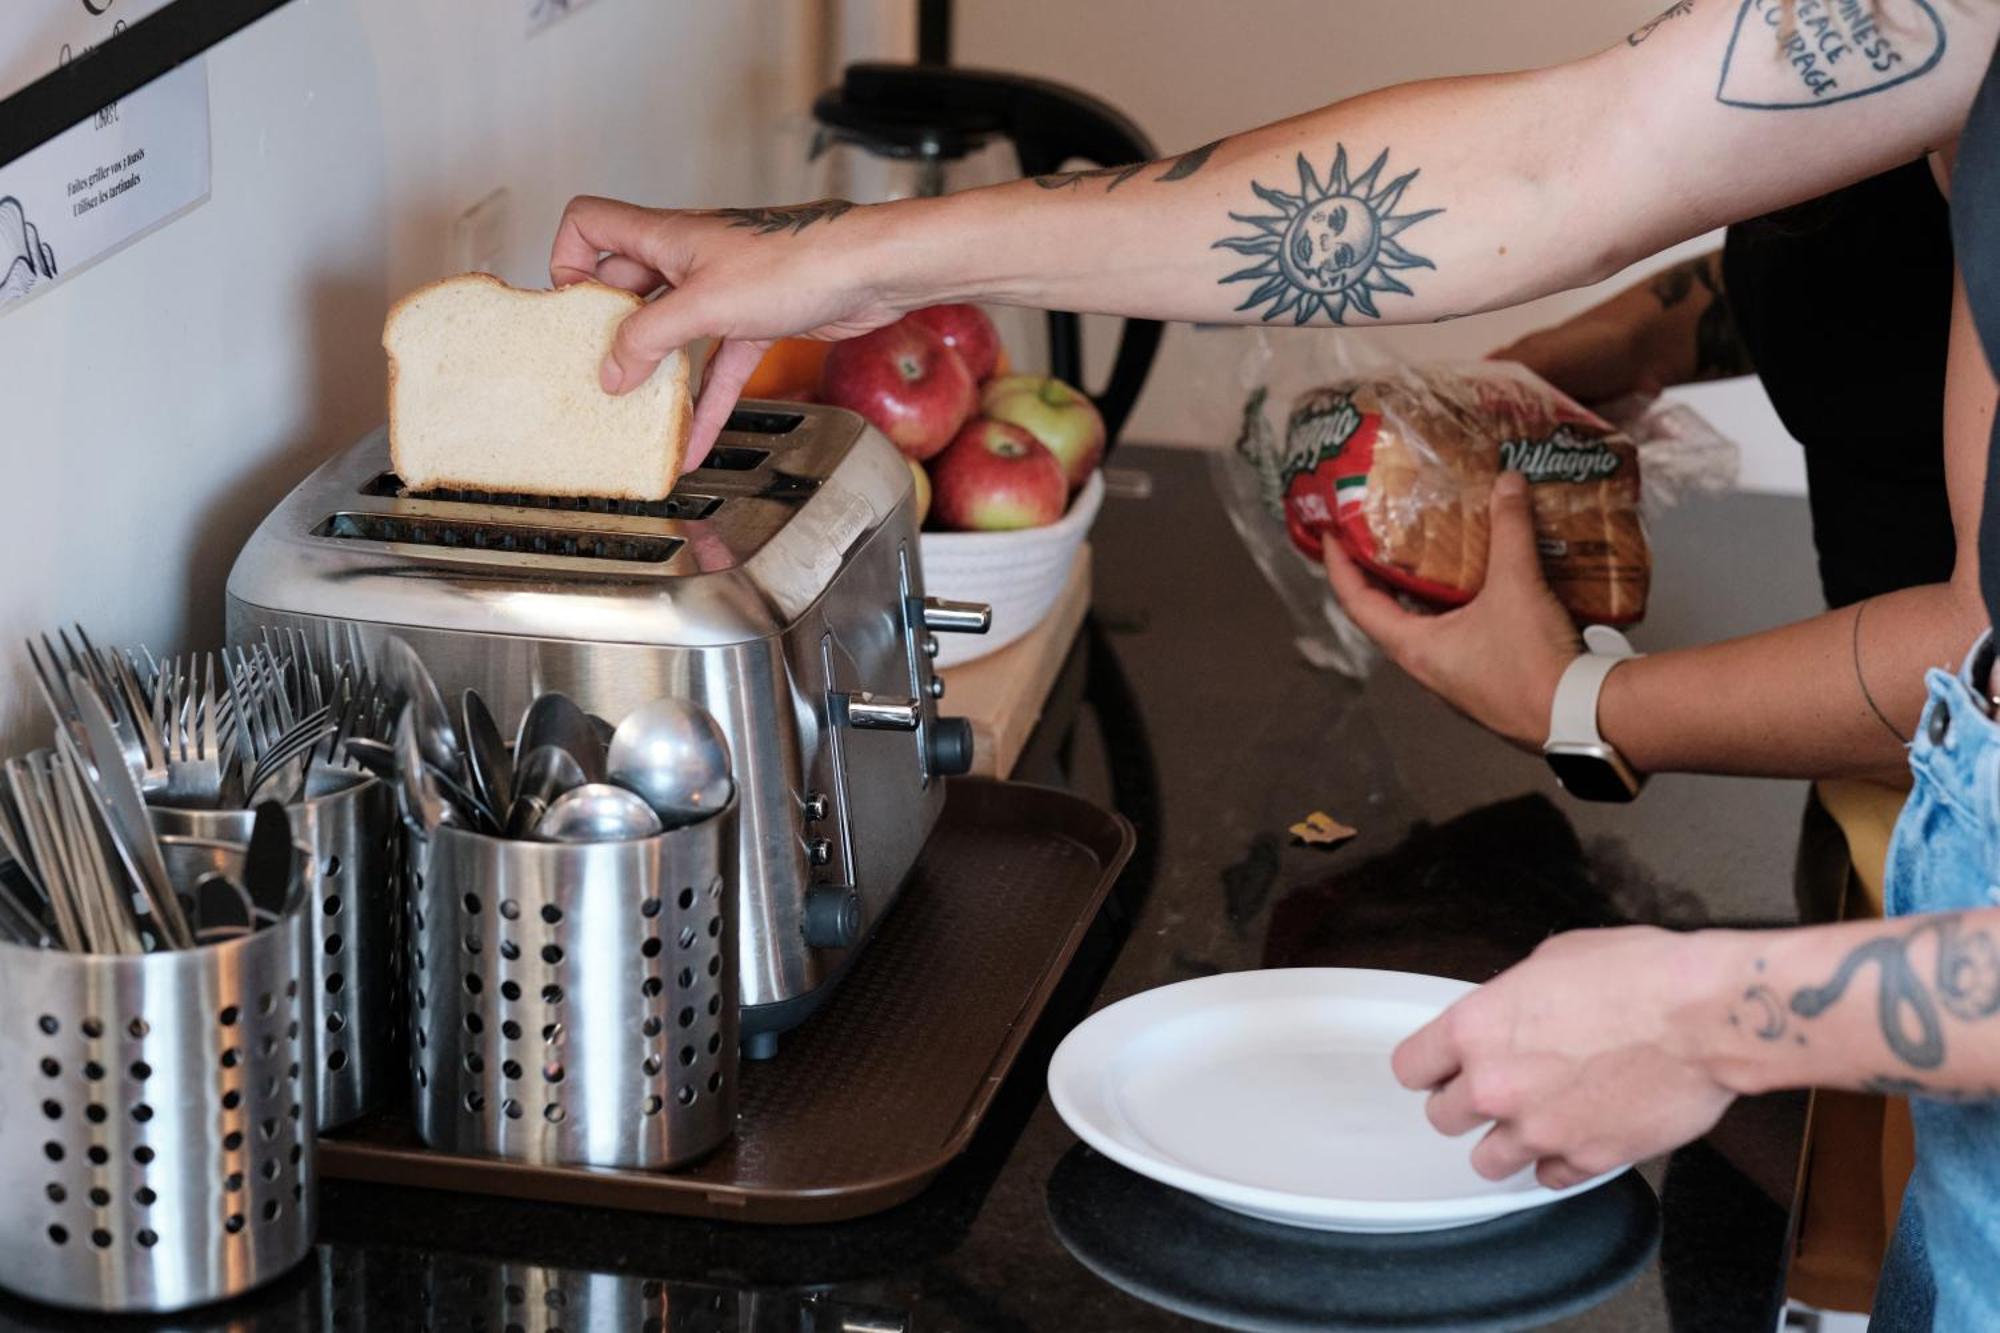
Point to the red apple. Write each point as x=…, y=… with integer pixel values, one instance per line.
x=923, y=482
x=967, y=331
x=994, y=478
x=904, y=379
x=1062, y=418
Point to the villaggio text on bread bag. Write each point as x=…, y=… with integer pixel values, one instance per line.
x=1399, y=467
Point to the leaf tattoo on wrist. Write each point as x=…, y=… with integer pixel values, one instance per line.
x=1179, y=169
x=1679, y=9
x=793, y=218
x=1330, y=247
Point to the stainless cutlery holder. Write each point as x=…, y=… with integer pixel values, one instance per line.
x=156, y=1127
x=574, y=1003
x=355, y=959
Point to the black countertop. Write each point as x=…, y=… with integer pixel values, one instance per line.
x=1186, y=706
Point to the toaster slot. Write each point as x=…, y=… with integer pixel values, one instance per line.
x=506, y=538
x=734, y=458
x=679, y=505
x=761, y=421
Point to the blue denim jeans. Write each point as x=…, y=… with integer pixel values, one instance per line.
x=1943, y=1269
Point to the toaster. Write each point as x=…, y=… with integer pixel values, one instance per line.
x=780, y=586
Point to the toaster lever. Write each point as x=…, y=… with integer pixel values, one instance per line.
x=868, y=712
x=948, y=617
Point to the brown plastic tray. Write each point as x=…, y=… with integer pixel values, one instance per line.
x=871, y=1097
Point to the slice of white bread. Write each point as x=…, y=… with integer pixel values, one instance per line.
x=496, y=389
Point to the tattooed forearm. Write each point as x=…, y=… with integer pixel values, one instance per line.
x=1790, y=54
x=1329, y=248
x=793, y=218
x=1671, y=286
x=1718, y=348
x=1179, y=169
x=1910, y=1009
x=1680, y=9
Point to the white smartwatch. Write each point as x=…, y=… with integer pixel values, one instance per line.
x=1588, y=767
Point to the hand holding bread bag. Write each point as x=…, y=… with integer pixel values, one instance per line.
x=1399, y=468
x=496, y=389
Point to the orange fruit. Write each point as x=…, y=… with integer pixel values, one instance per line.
x=1004, y=366
x=790, y=369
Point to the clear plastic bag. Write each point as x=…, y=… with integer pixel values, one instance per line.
x=1396, y=461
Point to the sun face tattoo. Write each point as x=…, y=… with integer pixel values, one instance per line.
x=1331, y=247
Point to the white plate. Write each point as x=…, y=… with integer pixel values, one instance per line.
x=1270, y=1093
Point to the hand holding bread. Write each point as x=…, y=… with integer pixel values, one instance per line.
x=741, y=276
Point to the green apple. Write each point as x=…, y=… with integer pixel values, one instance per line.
x=1062, y=418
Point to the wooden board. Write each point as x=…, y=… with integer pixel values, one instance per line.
x=1003, y=693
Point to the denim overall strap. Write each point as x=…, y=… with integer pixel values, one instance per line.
x=1945, y=857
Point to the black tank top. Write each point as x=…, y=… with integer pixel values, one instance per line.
x=1856, y=370
x=1975, y=226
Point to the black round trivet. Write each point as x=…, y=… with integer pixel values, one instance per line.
x=1184, y=1254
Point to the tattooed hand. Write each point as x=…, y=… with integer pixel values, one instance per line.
x=1576, y=1058
x=743, y=276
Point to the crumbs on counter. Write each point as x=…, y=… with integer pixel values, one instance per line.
x=1320, y=829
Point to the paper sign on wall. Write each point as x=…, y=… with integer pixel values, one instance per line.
x=137, y=163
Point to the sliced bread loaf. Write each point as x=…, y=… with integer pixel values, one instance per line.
x=496, y=389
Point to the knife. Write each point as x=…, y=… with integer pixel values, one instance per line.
x=267, y=865
x=124, y=811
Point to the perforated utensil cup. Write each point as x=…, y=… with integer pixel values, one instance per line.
x=574, y=1003
x=156, y=1125
x=355, y=955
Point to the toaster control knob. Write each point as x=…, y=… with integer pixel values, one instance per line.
x=930, y=645
x=951, y=747
x=816, y=807
x=833, y=917
x=936, y=687
x=819, y=851
x=957, y=617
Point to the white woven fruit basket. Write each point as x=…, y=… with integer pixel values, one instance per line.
x=1020, y=574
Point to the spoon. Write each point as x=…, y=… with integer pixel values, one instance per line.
x=466, y=802
x=422, y=804
x=406, y=672
x=492, y=771
x=597, y=812
x=554, y=719
x=542, y=776
x=671, y=753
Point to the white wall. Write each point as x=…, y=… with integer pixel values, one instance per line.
x=163, y=401
x=1191, y=70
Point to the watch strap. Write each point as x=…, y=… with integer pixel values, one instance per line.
x=1573, y=715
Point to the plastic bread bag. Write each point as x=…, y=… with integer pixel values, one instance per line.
x=1397, y=461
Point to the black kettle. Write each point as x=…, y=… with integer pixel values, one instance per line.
x=929, y=129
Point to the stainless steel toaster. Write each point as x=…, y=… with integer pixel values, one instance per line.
x=780, y=585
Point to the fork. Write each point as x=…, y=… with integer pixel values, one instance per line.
x=285, y=763
x=192, y=746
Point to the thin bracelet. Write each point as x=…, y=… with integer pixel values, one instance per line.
x=1862, y=680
